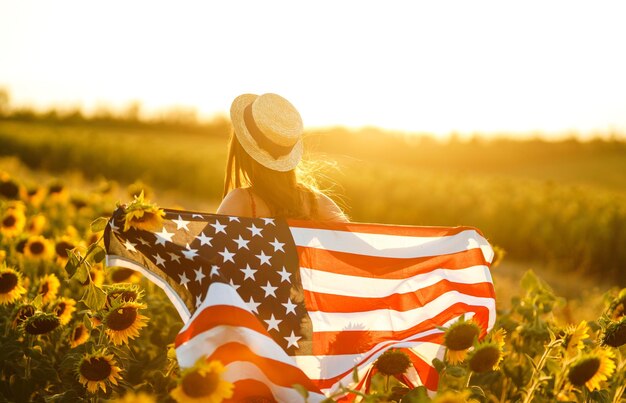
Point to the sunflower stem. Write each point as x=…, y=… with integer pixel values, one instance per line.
x=27, y=364
x=536, y=372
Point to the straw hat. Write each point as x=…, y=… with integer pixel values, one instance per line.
x=269, y=128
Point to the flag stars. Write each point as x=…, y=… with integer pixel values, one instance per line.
x=158, y=260
x=190, y=253
x=174, y=257
x=143, y=241
x=198, y=300
x=231, y=219
x=183, y=280
x=272, y=323
x=114, y=227
x=284, y=275
x=269, y=290
x=290, y=307
x=241, y=243
x=269, y=221
x=255, y=231
x=278, y=246
x=235, y=286
x=265, y=259
x=248, y=273
x=163, y=236
x=292, y=340
x=227, y=255
x=200, y=216
x=215, y=271
x=200, y=275
x=204, y=240
x=130, y=246
x=253, y=305
x=181, y=224
x=219, y=227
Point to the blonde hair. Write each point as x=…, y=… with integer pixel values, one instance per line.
x=285, y=193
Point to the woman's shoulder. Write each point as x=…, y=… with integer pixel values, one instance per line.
x=236, y=203
x=328, y=210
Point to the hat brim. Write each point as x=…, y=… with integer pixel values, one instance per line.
x=283, y=163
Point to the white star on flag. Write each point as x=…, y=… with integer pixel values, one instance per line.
x=204, y=240
x=200, y=275
x=130, y=246
x=198, y=301
x=174, y=257
x=219, y=227
x=269, y=221
x=190, y=253
x=227, y=255
x=272, y=323
x=235, y=286
x=231, y=219
x=159, y=260
x=241, y=243
x=200, y=216
x=264, y=259
x=143, y=241
x=114, y=227
x=183, y=279
x=253, y=305
x=255, y=230
x=215, y=270
x=284, y=275
x=278, y=246
x=269, y=290
x=163, y=236
x=292, y=340
x=248, y=272
x=180, y=223
x=289, y=307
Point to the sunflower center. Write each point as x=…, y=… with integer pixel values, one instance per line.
x=41, y=325
x=122, y=319
x=461, y=337
x=55, y=189
x=45, y=287
x=196, y=385
x=583, y=371
x=8, y=281
x=393, y=362
x=61, y=248
x=9, y=189
x=484, y=359
x=60, y=308
x=78, y=331
x=9, y=221
x=96, y=369
x=36, y=248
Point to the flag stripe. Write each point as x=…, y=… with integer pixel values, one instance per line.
x=385, y=319
x=388, y=245
x=327, y=302
x=352, y=286
x=386, y=267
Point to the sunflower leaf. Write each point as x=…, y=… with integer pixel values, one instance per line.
x=94, y=297
x=38, y=301
x=417, y=395
x=99, y=254
x=301, y=390
x=81, y=273
x=99, y=224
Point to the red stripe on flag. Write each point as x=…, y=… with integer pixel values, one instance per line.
x=317, y=301
x=381, y=229
x=352, y=264
x=219, y=315
x=277, y=372
x=427, y=373
x=252, y=389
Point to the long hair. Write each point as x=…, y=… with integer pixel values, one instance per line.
x=283, y=192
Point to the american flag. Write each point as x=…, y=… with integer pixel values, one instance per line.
x=284, y=302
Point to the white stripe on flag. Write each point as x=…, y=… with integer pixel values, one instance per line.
x=353, y=286
x=219, y=294
x=395, y=246
x=387, y=319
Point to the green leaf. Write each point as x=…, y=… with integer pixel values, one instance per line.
x=417, y=395
x=72, y=263
x=99, y=254
x=38, y=301
x=355, y=375
x=94, y=297
x=301, y=390
x=438, y=364
x=99, y=224
x=81, y=274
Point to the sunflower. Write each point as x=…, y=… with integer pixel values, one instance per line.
x=123, y=292
x=458, y=338
x=143, y=215
x=93, y=237
x=393, y=362
x=40, y=323
x=617, y=309
x=573, y=338
x=132, y=397
x=34, y=196
x=450, y=396
x=12, y=222
x=3, y=255
x=614, y=334
x=36, y=224
x=11, y=287
x=202, y=383
x=63, y=308
x=38, y=247
x=9, y=189
x=487, y=354
x=123, y=321
x=21, y=314
x=79, y=335
x=124, y=275
x=58, y=193
x=96, y=369
x=48, y=287
x=61, y=248
x=591, y=369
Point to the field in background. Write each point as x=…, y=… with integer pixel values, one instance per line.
x=551, y=204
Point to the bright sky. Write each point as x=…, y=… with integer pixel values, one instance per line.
x=465, y=66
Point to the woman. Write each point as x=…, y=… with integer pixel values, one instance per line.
x=265, y=149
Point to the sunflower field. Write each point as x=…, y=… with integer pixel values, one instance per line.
x=73, y=330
